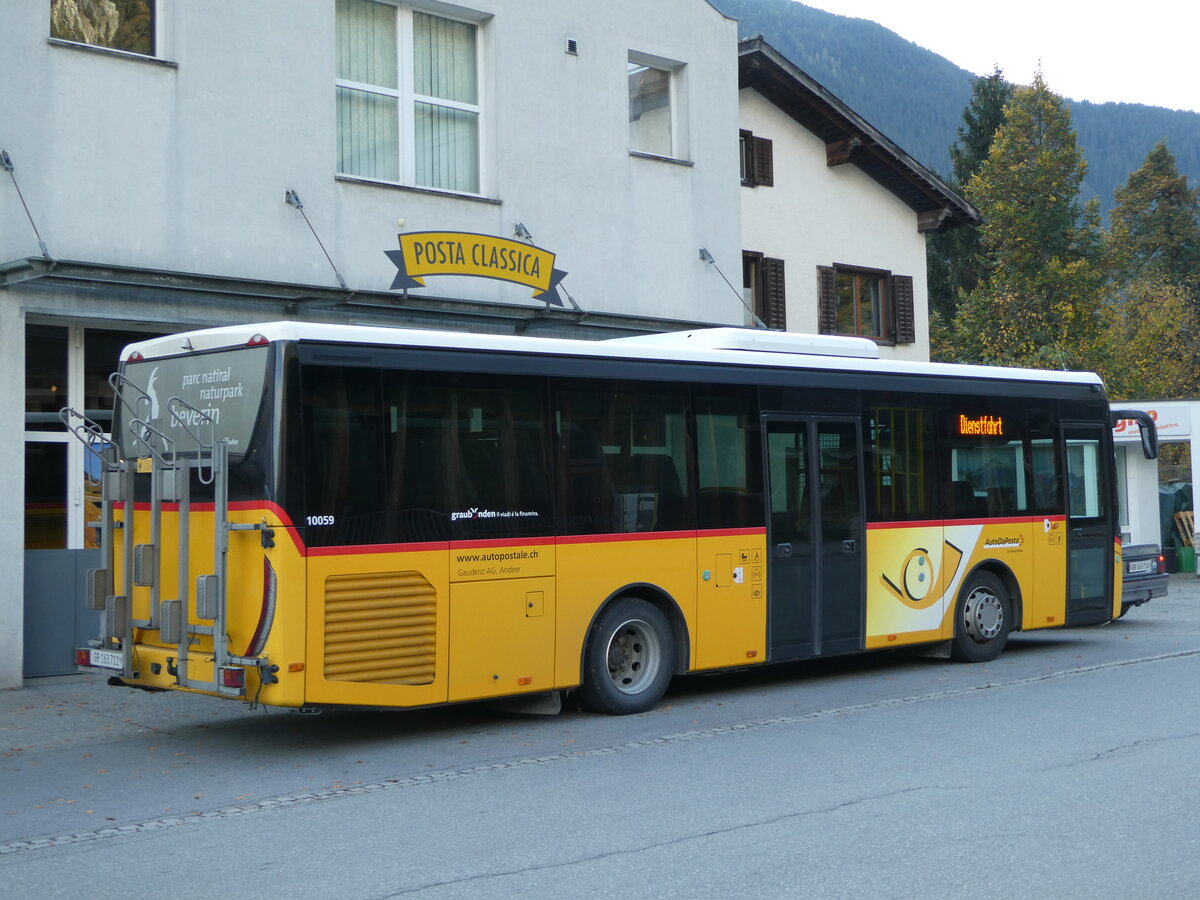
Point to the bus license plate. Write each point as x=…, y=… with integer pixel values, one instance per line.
x=1140, y=566
x=107, y=659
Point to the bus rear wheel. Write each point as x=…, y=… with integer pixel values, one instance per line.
x=627, y=664
x=982, y=619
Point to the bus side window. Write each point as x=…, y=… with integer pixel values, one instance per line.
x=343, y=450
x=623, y=458
x=467, y=456
x=728, y=458
x=900, y=447
x=1046, y=467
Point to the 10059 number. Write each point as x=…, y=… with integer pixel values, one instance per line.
x=320, y=520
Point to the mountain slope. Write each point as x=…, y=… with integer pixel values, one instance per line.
x=916, y=97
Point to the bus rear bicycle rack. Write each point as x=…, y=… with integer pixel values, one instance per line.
x=170, y=469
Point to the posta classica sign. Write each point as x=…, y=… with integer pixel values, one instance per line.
x=429, y=253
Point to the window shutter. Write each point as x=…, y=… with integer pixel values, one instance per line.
x=764, y=162
x=774, y=297
x=826, y=300
x=902, y=303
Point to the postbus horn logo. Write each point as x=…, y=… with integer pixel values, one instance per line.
x=919, y=586
x=425, y=253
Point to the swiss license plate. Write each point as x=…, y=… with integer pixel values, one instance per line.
x=107, y=659
x=1140, y=566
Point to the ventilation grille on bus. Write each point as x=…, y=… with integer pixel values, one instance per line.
x=380, y=627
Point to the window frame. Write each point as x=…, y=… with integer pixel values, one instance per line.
x=157, y=38
x=897, y=319
x=757, y=159
x=676, y=96
x=764, y=277
x=407, y=99
x=880, y=277
x=73, y=374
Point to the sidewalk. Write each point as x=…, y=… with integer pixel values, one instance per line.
x=68, y=710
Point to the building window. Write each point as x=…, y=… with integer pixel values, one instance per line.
x=763, y=289
x=870, y=303
x=758, y=161
x=128, y=25
x=655, y=124
x=66, y=365
x=408, y=97
x=860, y=307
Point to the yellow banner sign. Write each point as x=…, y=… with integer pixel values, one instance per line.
x=427, y=253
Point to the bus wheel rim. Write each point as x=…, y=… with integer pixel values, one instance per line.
x=983, y=615
x=634, y=656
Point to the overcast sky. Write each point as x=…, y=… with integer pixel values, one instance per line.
x=1101, y=51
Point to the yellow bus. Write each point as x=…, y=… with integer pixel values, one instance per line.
x=311, y=516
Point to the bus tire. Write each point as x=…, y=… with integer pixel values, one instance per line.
x=982, y=619
x=628, y=660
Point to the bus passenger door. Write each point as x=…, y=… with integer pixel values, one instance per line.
x=1090, y=528
x=815, y=537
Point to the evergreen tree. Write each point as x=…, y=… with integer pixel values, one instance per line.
x=954, y=257
x=1038, y=303
x=1155, y=226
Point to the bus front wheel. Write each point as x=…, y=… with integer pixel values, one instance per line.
x=628, y=660
x=982, y=619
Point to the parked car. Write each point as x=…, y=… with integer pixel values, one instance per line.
x=1144, y=575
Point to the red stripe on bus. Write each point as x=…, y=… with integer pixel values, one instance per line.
x=501, y=542
x=626, y=536
x=939, y=523
x=425, y=546
x=362, y=549
x=285, y=521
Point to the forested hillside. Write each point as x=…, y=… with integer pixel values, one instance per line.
x=916, y=97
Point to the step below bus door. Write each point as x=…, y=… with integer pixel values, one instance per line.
x=815, y=536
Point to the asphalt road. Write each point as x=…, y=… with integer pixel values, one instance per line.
x=1067, y=768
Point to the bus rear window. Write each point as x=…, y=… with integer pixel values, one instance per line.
x=206, y=397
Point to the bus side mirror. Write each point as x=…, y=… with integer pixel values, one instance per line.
x=1146, y=429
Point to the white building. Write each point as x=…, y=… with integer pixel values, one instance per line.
x=550, y=167
x=153, y=161
x=1148, y=514
x=834, y=215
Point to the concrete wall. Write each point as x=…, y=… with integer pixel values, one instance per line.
x=181, y=164
x=817, y=216
x=12, y=489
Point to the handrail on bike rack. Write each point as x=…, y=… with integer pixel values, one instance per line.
x=92, y=436
x=177, y=404
x=141, y=437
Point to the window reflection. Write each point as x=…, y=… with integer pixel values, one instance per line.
x=45, y=376
x=45, y=496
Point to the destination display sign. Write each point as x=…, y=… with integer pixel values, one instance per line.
x=979, y=426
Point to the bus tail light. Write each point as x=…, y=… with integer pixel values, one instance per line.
x=82, y=657
x=1160, y=565
x=258, y=340
x=233, y=677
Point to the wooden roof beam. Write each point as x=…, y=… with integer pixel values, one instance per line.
x=932, y=219
x=838, y=153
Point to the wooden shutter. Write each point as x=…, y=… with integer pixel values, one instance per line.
x=764, y=162
x=902, y=304
x=774, y=297
x=826, y=300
